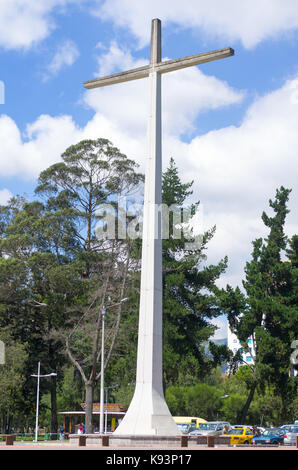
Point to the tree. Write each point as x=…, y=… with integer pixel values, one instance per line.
x=292, y=256
x=189, y=299
x=11, y=378
x=267, y=311
x=37, y=283
x=92, y=173
x=83, y=188
x=200, y=400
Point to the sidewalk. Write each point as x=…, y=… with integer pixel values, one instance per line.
x=55, y=445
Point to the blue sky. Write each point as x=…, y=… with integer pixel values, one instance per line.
x=231, y=125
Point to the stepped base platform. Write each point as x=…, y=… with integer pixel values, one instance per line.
x=125, y=441
x=114, y=441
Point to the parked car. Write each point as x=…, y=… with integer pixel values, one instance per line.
x=269, y=436
x=286, y=427
x=291, y=435
x=239, y=435
x=211, y=428
x=186, y=428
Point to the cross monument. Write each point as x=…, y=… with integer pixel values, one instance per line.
x=148, y=413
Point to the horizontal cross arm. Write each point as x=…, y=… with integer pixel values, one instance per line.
x=176, y=64
x=134, y=74
x=160, y=67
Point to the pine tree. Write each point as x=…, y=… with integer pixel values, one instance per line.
x=189, y=285
x=267, y=311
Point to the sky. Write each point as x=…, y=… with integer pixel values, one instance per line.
x=230, y=125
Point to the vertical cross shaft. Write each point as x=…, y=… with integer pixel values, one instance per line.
x=148, y=412
x=155, y=47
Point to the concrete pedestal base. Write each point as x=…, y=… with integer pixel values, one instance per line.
x=147, y=415
x=145, y=441
x=112, y=441
x=129, y=441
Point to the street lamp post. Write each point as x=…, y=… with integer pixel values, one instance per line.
x=102, y=371
x=103, y=312
x=37, y=396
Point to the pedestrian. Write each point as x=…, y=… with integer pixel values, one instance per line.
x=80, y=429
x=61, y=433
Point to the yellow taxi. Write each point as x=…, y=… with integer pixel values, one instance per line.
x=239, y=435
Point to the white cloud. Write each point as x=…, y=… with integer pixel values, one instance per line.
x=66, y=54
x=5, y=195
x=188, y=93
x=23, y=23
x=257, y=154
x=235, y=169
x=250, y=21
x=40, y=147
x=116, y=59
x=44, y=140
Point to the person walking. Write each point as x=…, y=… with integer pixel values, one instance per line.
x=61, y=433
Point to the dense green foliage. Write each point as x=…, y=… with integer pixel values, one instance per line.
x=267, y=310
x=56, y=275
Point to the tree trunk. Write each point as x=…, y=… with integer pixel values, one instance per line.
x=9, y=426
x=3, y=423
x=54, y=419
x=241, y=416
x=89, y=388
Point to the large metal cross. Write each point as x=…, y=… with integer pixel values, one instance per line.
x=148, y=413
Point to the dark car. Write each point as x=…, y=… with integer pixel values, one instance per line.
x=269, y=436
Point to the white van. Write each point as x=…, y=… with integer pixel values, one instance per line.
x=187, y=424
